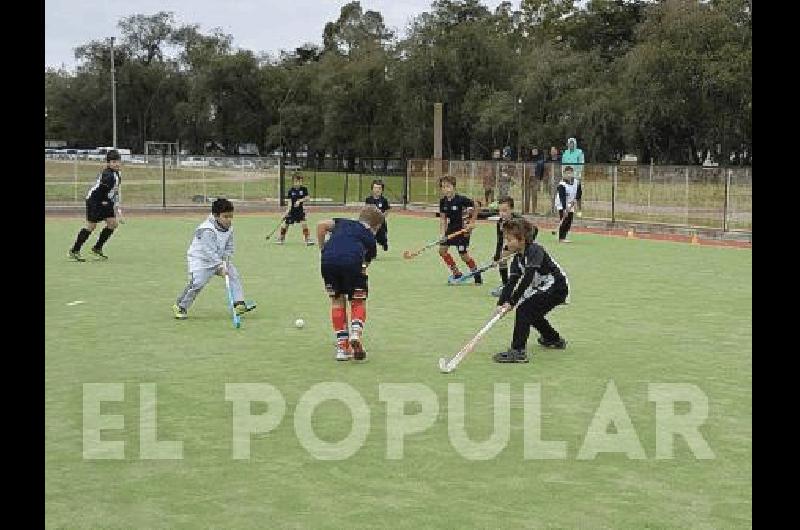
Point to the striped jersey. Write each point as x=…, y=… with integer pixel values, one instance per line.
x=106, y=188
x=567, y=193
x=532, y=270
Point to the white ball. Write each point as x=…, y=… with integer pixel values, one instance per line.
x=299, y=323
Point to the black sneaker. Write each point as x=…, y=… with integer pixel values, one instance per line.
x=478, y=279
x=508, y=356
x=559, y=344
x=97, y=253
x=76, y=256
x=520, y=356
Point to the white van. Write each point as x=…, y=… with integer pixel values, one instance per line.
x=100, y=153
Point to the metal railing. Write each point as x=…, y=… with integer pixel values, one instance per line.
x=160, y=180
x=685, y=196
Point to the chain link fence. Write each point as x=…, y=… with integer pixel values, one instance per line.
x=688, y=196
x=169, y=180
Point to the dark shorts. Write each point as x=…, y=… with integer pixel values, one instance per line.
x=460, y=242
x=542, y=303
x=345, y=279
x=96, y=211
x=295, y=216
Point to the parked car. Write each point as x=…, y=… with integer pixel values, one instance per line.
x=194, y=161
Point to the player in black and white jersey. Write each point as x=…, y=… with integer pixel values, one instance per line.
x=507, y=213
x=102, y=204
x=568, y=197
x=535, y=286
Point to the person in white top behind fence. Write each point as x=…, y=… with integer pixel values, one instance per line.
x=567, y=198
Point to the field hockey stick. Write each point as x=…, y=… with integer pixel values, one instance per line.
x=237, y=321
x=276, y=228
x=483, y=268
x=448, y=365
x=410, y=254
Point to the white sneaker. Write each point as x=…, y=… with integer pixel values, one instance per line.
x=279, y=241
x=342, y=354
x=356, y=346
x=310, y=242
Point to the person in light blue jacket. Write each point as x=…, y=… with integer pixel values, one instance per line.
x=573, y=155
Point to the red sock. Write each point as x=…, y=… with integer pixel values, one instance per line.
x=305, y=233
x=339, y=320
x=358, y=312
x=450, y=262
x=471, y=264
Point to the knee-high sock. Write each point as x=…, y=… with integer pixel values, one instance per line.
x=471, y=263
x=339, y=321
x=105, y=233
x=450, y=262
x=83, y=235
x=358, y=312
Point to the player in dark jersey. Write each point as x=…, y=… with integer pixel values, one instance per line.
x=453, y=210
x=382, y=203
x=506, y=208
x=102, y=204
x=297, y=195
x=536, y=285
x=345, y=256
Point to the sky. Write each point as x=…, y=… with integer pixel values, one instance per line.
x=260, y=26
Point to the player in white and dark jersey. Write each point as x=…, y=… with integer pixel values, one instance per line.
x=568, y=196
x=382, y=203
x=456, y=212
x=507, y=213
x=536, y=285
x=209, y=255
x=102, y=204
x=297, y=195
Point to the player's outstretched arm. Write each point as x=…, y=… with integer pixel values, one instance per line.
x=323, y=227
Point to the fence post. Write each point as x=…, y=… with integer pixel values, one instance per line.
x=346, y=181
x=205, y=190
x=241, y=173
x=163, y=179
x=649, y=187
x=427, y=174
x=687, y=196
x=727, y=199
x=75, y=174
x=405, y=185
x=613, y=193
x=316, y=165
x=281, y=184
